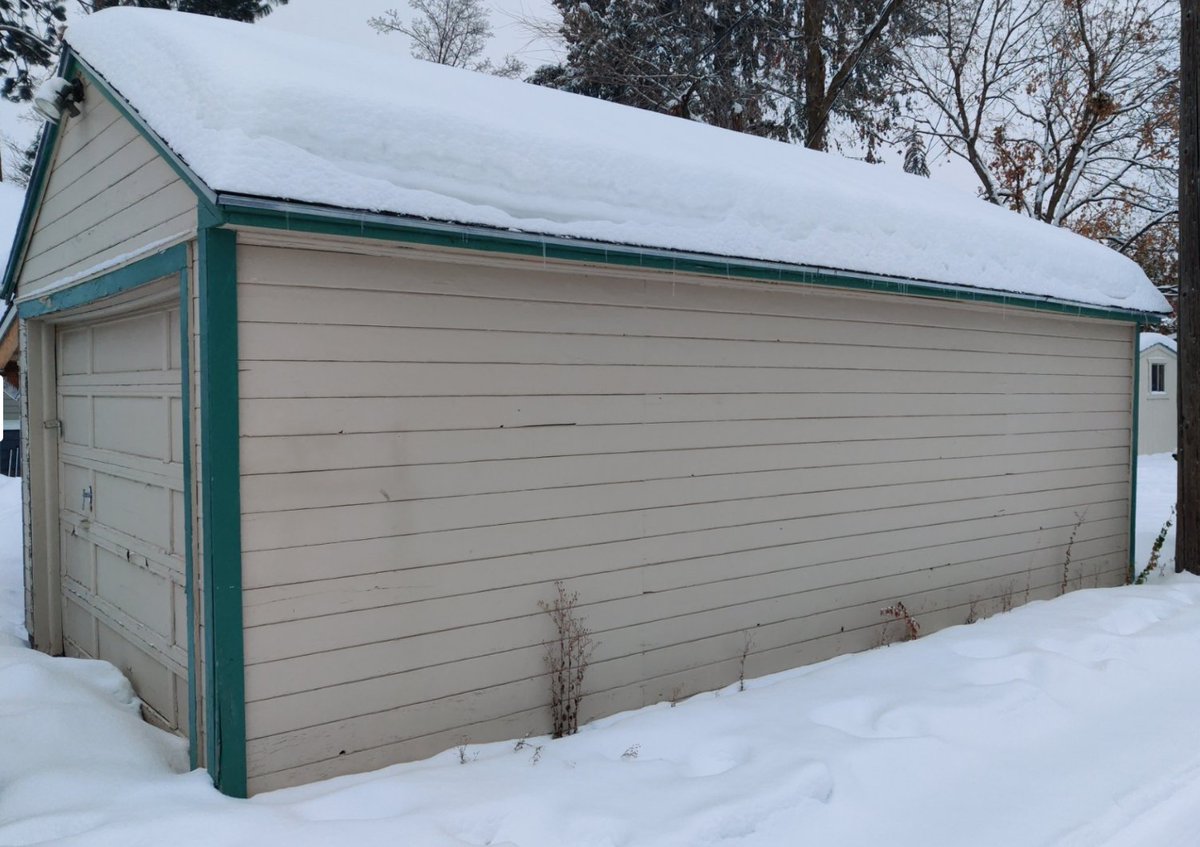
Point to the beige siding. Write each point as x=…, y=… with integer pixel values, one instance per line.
x=1158, y=424
x=428, y=444
x=108, y=195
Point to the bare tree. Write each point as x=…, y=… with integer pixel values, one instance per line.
x=1065, y=111
x=448, y=32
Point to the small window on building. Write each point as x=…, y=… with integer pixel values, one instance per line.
x=1158, y=378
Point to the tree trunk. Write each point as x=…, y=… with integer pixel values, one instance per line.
x=1187, y=543
x=815, y=112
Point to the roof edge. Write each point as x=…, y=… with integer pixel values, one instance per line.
x=249, y=211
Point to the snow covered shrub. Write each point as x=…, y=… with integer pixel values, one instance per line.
x=567, y=657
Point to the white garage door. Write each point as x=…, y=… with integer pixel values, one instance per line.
x=121, y=504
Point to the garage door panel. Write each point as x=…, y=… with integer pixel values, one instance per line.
x=74, y=482
x=79, y=560
x=175, y=432
x=151, y=680
x=135, y=590
x=135, y=508
x=178, y=525
x=76, y=415
x=179, y=604
x=174, y=343
x=74, y=351
x=121, y=503
x=133, y=344
x=79, y=627
x=134, y=425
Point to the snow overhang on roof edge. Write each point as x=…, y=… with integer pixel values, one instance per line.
x=275, y=213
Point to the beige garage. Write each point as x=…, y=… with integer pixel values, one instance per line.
x=317, y=425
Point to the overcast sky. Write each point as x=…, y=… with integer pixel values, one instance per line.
x=346, y=20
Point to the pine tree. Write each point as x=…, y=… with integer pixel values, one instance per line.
x=28, y=41
x=779, y=68
x=914, y=155
x=704, y=61
x=246, y=11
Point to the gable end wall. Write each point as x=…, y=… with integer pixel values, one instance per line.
x=108, y=195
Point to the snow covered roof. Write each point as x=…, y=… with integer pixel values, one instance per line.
x=1146, y=340
x=11, y=200
x=276, y=115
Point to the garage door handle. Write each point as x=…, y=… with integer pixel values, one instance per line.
x=87, y=499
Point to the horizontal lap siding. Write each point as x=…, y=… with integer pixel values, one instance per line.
x=428, y=445
x=108, y=194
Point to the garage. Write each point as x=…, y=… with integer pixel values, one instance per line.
x=121, y=515
x=736, y=412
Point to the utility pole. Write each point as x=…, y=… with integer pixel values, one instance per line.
x=1187, y=538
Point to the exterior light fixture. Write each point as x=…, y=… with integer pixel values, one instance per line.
x=57, y=95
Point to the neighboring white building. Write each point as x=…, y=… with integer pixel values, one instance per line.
x=1158, y=406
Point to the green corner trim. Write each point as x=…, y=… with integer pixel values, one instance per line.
x=225, y=682
x=1133, y=453
x=298, y=217
x=166, y=262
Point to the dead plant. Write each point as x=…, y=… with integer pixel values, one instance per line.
x=898, y=612
x=747, y=646
x=567, y=657
x=1066, y=573
x=1156, y=550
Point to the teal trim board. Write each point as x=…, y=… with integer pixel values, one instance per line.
x=297, y=217
x=1133, y=453
x=225, y=683
x=166, y=262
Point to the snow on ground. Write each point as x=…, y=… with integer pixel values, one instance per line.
x=1056, y=724
x=1155, y=499
x=251, y=112
x=12, y=597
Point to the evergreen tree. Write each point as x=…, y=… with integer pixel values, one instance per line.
x=914, y=155
x=779, y=68
x=246, y=11
x=28, y=41
x=707, y=62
